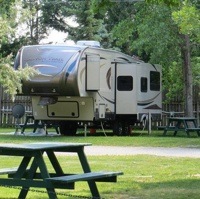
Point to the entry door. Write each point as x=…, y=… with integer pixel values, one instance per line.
x=126, y=88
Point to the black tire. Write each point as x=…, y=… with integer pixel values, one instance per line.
x=68, y=128
x=121, y=128
x=127, y=129
x=117, y=128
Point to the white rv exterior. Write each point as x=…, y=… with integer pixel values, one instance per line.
x=90, y=84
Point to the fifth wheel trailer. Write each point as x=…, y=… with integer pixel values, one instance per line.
x=88, y=84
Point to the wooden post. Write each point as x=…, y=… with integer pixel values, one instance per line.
x=85, y=130
x=149, y=122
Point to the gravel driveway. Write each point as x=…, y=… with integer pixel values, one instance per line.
x=190, y=152
x=158, y=151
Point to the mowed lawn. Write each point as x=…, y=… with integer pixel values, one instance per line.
x=145, y=176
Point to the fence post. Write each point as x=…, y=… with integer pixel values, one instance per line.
x=149, y=122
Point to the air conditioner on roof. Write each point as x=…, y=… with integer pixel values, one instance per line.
x=88, y=43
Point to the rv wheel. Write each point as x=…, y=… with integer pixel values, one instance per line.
x=121, y=128
x=117, y=128
x=68, y=128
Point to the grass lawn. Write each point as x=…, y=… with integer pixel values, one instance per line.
x=138, y=138
x=145, y=176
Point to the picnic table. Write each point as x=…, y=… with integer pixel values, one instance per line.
x=36, y=124
x=33, y=170
x=186, y=124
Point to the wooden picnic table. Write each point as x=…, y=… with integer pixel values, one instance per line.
x=36, y=124
x=186, y=124
x=33, y=171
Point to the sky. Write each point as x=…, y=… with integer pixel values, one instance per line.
x=55, y=37
x=59, y=37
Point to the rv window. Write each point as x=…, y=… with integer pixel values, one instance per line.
x=154, y=81
x=17, y=60
x=48, y=60
x=124, y=83
x=143, y=83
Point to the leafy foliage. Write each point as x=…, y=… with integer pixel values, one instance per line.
x=4, y=29
x=11, y=79
x=157, y=34
x=172, y=81
x=167, y=2
x=196, y=69
x=188, y=20
x=119, y=23
x=81, y=12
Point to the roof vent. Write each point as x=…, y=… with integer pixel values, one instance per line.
x=88, y=43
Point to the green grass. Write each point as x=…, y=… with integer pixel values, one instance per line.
x=145, y=176
x=138, y=138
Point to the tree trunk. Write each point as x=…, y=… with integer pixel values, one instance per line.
x=187, y=74
x=197, y=97
x=0, y=105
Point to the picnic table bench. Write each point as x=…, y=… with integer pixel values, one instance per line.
x=102, y=176
x=37, y=124
x=33, y=171
x=186, y=124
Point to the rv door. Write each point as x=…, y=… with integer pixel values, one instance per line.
x=125, y=89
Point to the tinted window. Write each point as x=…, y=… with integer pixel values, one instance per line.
x=154, y=81
x=48, y=60
x=143, y=83
x=17, y=60
x=125, y=83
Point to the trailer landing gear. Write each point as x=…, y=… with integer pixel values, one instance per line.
x=68, y=128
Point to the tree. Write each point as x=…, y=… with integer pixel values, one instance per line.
x=9, y=78
x=116, y=13
x=159, y=36
x=152, y=35
x=167, y=2
x=57, y=15
x=95, y=19
x=24, y=24
x=188, y=21
x=36, y=29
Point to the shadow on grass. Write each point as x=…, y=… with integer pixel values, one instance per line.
x=177, y=189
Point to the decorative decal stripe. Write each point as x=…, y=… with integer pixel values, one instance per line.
x=108, y=76
x=154, y=106
x=154, y=67
x=144, y=104
x=149, y=100
x=123, y=58
x=102, y=97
